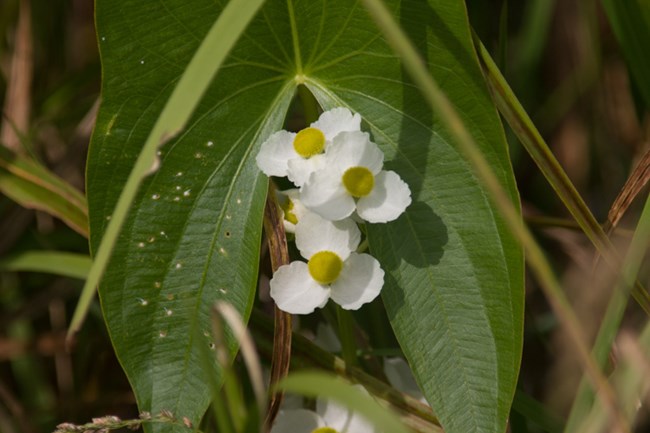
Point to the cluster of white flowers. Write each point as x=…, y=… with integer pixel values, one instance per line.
x=339, y=178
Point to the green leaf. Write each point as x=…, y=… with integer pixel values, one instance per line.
x=33, y=186
x=630, y=20
x=193, y=233
x=454, y=289
x=53, y=262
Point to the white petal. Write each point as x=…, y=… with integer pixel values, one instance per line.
x=297, y=421
x=314, y=234
x=325, y=195
x=400, y=376
x=275, y=153
x=299, y=169
x=295, y=291
x=388, y=199
x=337, y=120
x=343, y=419
x=360, y=282
x=289, y=227
x=352, y=149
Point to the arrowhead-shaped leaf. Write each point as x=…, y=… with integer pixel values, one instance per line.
x=454, y=274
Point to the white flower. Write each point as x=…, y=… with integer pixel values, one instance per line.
x=328, y=418
x=292, y=208
x=353, y=179
x=334, y=270
x=399, y=375
x=296, y=156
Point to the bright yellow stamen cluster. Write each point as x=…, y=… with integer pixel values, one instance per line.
x=324, y=430
x=325, y=267
x=309, y=142
x=358, y=181
x=287, y=207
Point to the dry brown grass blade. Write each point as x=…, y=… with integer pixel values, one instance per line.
x=633, y=186
x=17, y=106
x=277, y=240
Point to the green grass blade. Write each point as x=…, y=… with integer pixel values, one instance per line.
x=322, y=385
x=33, y=186
x=186, y=95
x=638, y=248
x=51, y=262
x=531, y=139
x=631, y=381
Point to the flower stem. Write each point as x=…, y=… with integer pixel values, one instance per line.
x=346, y=335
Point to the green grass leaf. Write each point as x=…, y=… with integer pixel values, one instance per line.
x=454, y=289
x=51, y=262
x=33, y=186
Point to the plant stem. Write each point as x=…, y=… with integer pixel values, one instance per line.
x=346, y=335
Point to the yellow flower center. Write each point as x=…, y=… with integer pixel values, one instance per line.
x=287, y=207
x=309, y=142
x=324, y=430
x=359, y=181
x=325, y=267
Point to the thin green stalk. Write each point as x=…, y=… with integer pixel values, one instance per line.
x=229, y=400
x=346, y=335
x=363, y=246
x=583, y=402
x=465, y=142
x=196, y=78
x=222, y=416
x=531, y=139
